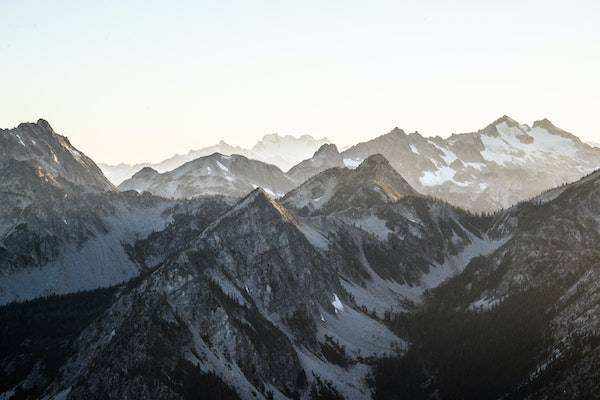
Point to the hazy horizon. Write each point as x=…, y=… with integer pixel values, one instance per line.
x=164, y=79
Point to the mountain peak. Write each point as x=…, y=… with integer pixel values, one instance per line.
x=550, y=127
x=377, y=168
x=327, y=149
x=327, y=156
x=45, y=125
x=145, y=172
x=256, y=202
x=545, y=123
x=397, y=131
x=373, y=183
x=257, y=195
x=492, y=129
x=374, y=160
x=39, y=145
x=506, y=119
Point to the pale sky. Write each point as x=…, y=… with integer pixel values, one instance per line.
x=139, y=81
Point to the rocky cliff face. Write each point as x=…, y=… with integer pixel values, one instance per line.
x=37, y=145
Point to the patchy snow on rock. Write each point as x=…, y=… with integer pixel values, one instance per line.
x=455, y=264
x=379, y=295
x=352, y=163
x=360, y=334
x=484, y=304
x=374, y=225
x=476, y=165
x=208, y=360
x=337, y=304
x=439, y=177
x=350, y=383
x=273, y=194
x=447, y=155
x=223, y=168
x=414, y=149
x=509, y=146
x=76, y=154
x=20, y=140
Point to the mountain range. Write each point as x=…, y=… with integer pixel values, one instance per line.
x=493, y=168
x=340, y=278
x=283, y=151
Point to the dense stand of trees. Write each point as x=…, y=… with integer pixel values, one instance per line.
x=41, y=331
x=465, y=354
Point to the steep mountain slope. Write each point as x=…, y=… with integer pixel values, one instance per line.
x=390, y=242
x=352, y=285
x=326, y=157
x=496, y=167
x=268, y=303
x=37, y=145
x=63, y=227
x=532, y=306
x=374, y=182
x=283, y=151
x=250, y=302
x=215, y=174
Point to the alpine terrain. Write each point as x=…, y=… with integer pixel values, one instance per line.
x=283, y=151
x=353, y=275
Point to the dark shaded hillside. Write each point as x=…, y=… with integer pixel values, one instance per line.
x=36, y=336
x=468, y=355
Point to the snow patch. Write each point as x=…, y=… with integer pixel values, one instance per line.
x=440, y=176
x=337, y=304
x=509, y=147
x=352, y=163
x=223, y=168
x=272, y=193
x=20, y=140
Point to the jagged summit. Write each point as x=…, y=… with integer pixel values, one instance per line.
x=327, y=156
x=491, y=168
x=327, y=149
x=374, y=182
x=492, y=129
x=257, y=202
x=377, y=170
x=505, y=118
x=544, y=123
x=51, y=154
x=41, y=123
